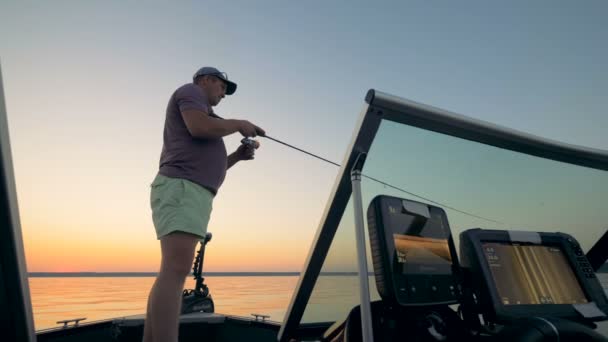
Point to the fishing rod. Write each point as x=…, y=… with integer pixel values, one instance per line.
x=251, y=142
x=301, y=150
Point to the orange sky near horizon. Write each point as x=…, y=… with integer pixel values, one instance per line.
x=262, y=219
x=74, y=255
x=70, y=236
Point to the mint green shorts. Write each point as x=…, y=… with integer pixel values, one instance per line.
x=179, y=205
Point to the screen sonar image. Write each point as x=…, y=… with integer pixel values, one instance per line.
x=414, y=249
x=532, y=274
x=420, y=238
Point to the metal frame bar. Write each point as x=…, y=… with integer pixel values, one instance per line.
x=16, y=319
x=365, y=131
x=598, y=254
x=367, y=331
x=442, y=121
x=382, y=106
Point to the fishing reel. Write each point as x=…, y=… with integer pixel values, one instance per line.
x=250, y=142
x=198, y=299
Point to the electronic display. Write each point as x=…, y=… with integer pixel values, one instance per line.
x=532, y=274
x=422, y=255
x=518, y=274
x=413, y=251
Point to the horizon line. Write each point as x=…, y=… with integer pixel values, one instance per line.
x=143, y=274
x=603, y=269
x=151, y=274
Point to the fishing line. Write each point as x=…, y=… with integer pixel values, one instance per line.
x=377, y=180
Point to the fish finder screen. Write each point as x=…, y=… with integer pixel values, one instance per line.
x=532, y=274
x=421, y=246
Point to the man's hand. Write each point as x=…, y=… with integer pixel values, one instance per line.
x=247, y=129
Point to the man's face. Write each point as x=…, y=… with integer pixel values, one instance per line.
x=215, y=89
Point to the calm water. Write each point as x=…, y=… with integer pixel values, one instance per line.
x=99, y=298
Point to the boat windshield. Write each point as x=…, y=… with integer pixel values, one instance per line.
x=475, y=178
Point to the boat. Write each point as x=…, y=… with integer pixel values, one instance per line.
x=439, y=167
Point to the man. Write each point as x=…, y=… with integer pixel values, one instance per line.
x=193, y=165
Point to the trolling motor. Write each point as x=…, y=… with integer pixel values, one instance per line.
x=199, y=299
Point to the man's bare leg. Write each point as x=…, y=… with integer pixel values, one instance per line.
x=164, y=303
x=148, y=321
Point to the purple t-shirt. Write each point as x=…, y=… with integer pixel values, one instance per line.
x=202, y=161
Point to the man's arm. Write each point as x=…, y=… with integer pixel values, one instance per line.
x=232, y=159
x=202, y=126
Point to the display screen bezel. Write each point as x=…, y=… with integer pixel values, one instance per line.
x=399, y=285
x=490, y=302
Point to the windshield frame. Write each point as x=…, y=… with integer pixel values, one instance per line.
x=16, y=313
x=382, y=106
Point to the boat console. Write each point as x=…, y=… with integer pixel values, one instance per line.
x=508, y=285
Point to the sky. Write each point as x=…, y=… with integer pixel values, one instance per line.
x=87, y=84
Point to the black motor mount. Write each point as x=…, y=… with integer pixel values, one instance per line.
x=198, y=299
